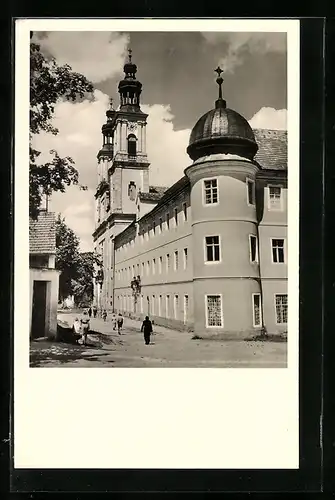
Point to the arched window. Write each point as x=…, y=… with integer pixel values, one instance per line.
x=132, y=145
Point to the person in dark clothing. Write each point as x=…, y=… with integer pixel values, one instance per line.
x=146, y=328
x=95, y=310
x=104, y=314
x=90, y=311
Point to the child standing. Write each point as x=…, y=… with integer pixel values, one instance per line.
x=119, y=323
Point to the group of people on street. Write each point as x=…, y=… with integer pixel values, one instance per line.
x=81, y=326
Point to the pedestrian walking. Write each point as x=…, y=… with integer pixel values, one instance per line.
x=146, y=328
x=77, y=329
x=90, y=311
x=114, y=321
x=119, y=323
x=85, y=325
x=104, y=314
x=95, y=310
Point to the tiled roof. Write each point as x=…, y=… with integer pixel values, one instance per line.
x=272, y=149
x=42, y=234
x=155, y=193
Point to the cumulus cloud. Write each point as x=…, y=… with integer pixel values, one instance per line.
x=96, y=54
x=80, y=137
x=270, y=118
x=237, y=44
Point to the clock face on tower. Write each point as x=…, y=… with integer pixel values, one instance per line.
x=132, y=126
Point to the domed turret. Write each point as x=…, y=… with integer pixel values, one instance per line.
x=130, y=88
x=222, y=130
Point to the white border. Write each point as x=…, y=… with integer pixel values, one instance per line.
x=46, y=399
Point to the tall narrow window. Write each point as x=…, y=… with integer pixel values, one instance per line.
x=176, y=306
x=176, y=260
x=212, y=248
x=278, y=253
x=256, y=309
x=153, y=266
x=160, y=305
x=154, y=228
x=167, y=262
x=167, y=219
x=160, y=264
x=185, y=258
x=253, y=248
x=142, y=268
x=275, y=198
x=131, y=145
x=211, y=191
x=214, y=311
x=160, y=225
x=251, y=192
x=153, y=306
x=176, y=217
x=185, y=211
x=281, y=308
x=167, y=308
x=148, y=268
x=185, y=308
x=141, y=303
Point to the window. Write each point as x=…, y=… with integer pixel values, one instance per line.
x=167, y=308
x=147, y=234
x=214, y=311
x=176, y=306
x=160, y=264
x=185, y=308
x=176, y=217
x=278, y=255
x=256, y=309
x=148, y=268
x=253, y=248
x=154, y=228
x=251, y=192
x=167, y=262
x=185, y=258
x=153, y=266
x=160, y=305
x=133, y=271
x=281, y=308
x=153, y=306
x=176, y=260
x=167, y=221
x=275, y=198
x=142, y=268
x=212, y=249
x=211, y=191
x=141, y=303
x=138, y=269
x=161, y=224
x=132, y=145
x=185, y=211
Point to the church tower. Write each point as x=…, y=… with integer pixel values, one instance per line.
x=123, y=171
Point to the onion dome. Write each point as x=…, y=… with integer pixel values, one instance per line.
x=130, y=88
x=222, y=130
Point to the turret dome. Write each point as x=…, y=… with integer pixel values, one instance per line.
x=222, y=130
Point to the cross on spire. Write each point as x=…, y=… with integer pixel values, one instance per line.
x=218, y=70
x=130, y=54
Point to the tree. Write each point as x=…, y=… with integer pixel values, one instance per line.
x=50, y=83
x=87, y=264
x=67, y=257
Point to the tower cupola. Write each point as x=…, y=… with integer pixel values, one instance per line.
x=130, y=88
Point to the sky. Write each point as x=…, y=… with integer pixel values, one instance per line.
x=177, y=73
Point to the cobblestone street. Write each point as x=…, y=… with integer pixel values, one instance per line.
x=168, y=348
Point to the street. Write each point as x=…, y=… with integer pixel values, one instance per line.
x=168, y=348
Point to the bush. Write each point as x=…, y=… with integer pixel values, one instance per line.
x=196, y=337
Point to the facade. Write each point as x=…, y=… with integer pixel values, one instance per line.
x=209, y=253
x=44, y=278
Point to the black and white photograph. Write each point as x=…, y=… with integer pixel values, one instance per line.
x=157, y=226
x=158, y=199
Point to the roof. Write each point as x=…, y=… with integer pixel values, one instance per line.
x=155, y=193
x=272, y=149
x=42, y=234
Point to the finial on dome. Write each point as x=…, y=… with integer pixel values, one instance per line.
x=111, y=100
x=220, y=102
x=129, y=55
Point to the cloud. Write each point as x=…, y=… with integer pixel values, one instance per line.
x=238, y=44
x=80, y=137
x=270, y=118
x=96, y=54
